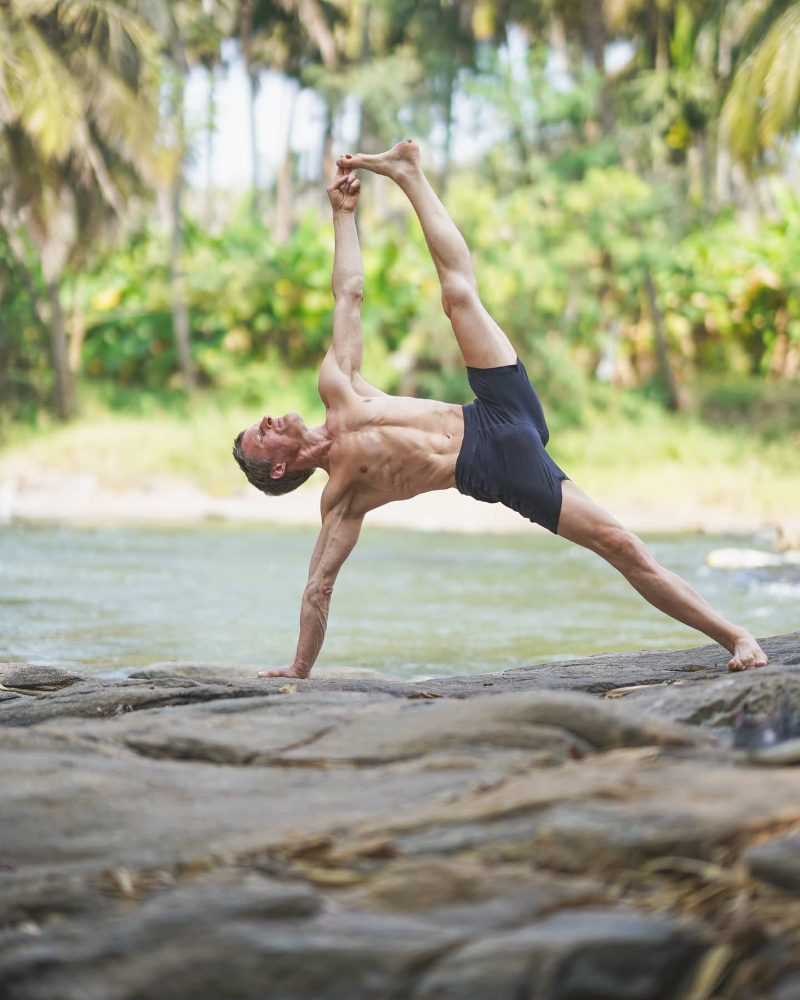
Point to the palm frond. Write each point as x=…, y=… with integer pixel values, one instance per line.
x=764, y=100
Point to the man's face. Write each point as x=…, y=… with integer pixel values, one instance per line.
x=275, y=439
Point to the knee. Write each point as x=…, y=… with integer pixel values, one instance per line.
x=458, y=292
x=624, y=550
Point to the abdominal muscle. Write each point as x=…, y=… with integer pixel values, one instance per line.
x=392, y=448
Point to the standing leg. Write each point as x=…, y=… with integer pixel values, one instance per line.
x=583, y=522
x=483, y=344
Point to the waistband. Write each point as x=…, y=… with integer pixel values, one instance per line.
x=467, y=450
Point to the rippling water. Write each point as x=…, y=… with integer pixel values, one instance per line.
x=406, y=602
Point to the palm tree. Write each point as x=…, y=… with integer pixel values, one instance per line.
x=78, y=121
x=763, y=104
x=279, y=34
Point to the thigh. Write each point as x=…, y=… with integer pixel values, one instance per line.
x=510, y=396
x=586, y=523
x=481, y=341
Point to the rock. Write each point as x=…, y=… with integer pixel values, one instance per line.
x=227, y=673
x=534, y=720
x=788, y=988
x=602, y=954
x=598, y=674
x=777, y=861
x=199, y=833
x=32, y=677
x=249, y=941
x=104, y=698
x=715, y=702
x=469, y=896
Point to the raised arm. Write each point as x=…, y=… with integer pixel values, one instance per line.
x=347, y=351
x=335, y=543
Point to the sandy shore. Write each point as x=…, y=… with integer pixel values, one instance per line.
x=37, y=495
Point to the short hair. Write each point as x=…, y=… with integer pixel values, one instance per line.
x=258, y=471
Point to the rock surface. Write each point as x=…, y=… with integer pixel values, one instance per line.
x=573, y=830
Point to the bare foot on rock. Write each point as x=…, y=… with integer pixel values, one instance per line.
x=747, y=654
x=401, y=159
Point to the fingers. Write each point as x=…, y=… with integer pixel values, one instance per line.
x=346, y=182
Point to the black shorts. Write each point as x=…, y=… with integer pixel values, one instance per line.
x=503, y=457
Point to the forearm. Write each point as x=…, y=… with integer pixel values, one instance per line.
x=348, y=267
x=313, y=625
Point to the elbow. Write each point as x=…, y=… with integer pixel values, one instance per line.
x=318, y=591
x=350, y=290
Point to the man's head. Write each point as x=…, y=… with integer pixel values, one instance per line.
x=267, y=451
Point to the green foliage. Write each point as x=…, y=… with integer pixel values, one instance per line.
x=584, y=198
x=25, y=378
x=560, y=263
x=734, y=299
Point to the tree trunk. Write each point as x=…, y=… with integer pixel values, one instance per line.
x=724, y=67
x=255, y=158
x=328, y=160
x=596, y=32
x=674, y=395
x=211, y=116
x=245, y=46
x=76, y=334
x=51, y=317
x=662, y=42
x=177, y=283
x=284, y=199
x=284, y=195
x=59, y=353
x=449, y=96
x=724, y=166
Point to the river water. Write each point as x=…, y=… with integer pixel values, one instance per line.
x=408, y=603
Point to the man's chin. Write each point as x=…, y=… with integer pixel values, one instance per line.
x=295, y=421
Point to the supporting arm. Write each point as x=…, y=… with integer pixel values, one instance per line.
x=335, y=543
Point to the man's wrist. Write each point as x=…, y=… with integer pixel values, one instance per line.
x=343, y=213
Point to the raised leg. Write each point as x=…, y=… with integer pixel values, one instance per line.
x=583, y=522
x=483, y=344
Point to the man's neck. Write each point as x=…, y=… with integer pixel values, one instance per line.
x=314, y=450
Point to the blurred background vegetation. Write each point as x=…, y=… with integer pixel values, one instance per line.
x=626, y=172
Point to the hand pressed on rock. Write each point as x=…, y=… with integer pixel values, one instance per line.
x=283, y=672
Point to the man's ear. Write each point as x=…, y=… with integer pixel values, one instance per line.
x=278, y=471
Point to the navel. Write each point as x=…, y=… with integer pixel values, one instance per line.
x=363, y=469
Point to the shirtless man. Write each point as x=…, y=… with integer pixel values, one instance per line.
x=378, y=448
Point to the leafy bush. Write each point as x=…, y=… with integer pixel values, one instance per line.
x=561, y=265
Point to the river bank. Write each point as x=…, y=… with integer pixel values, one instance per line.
x=653, y=470
x=36, y=494
x=568, y=829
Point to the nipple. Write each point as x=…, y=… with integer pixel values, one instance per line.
x=363, y=469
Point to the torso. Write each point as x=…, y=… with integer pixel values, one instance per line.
x=390, y=448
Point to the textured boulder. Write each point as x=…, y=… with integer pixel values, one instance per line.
x=195, y=832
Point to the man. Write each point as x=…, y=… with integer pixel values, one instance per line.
x=378, y=448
